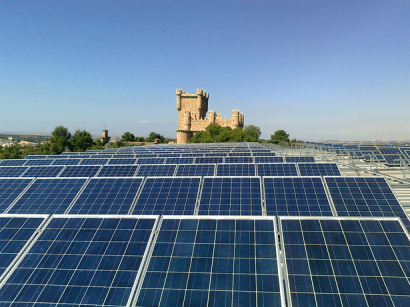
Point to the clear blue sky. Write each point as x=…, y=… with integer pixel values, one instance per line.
x=318, y=69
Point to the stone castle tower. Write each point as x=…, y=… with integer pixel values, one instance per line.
x=192, y=109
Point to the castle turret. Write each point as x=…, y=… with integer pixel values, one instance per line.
x=179, y=93
x=235, y=119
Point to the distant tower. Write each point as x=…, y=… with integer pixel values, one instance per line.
x=105, y=138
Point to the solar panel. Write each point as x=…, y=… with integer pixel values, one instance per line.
x=70, y=161
x=262, y=153
x=12, y=171
x=35, y=157
x=168, y=195
x=12, y=162
x=10, y=188
x=393, y=159
x=107, y=196
x=118, y=171
x=239, y=154
x=80, y=171
x=151, y=160
x=318, y=169
x=34, y=162
x=179, y=161
x=300, y=196
x=365, y=196
x=209, y=160
x=268, y=159
x=195, y=170
x=390, y=151
x=122, y=161
x=156, y=170
x=297, y=159
x=346, y=262
x=43, y=171
x=235, y=170
x=231, y=196
x=91, y=161
x=209, y=262
x=79, y=261
x=15, y=232
x=48, y=196
x=277, y=169
x=124, y=156
x=238, y=160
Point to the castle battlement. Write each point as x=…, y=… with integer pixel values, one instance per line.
x=192, y=109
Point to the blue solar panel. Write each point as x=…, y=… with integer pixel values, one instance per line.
x=99, y=161
x=48, y=196
x=235, y=170
x=365, y=196
x=168, y=195
x=231, y=196
x=10, y=188
x=80, y=262
x=205, y=262
x=80, y=171
x=262, y=153
x=12, y=171
x=12, y=162
x=195, y=170
x=123, y=161
x=239, y=154
x=15, y=232
x=151, y=160
x=269, y=159
x=297, y=159
x=208, y=160
x=123, y=156
x=107, y=196
x=390, y=151
x=43, y=171
x=333, y=262
x=71, y=161
x=277, y=169
x=238, y=160
x=156, y=170
x=34, y=162
x=318, y=169
x=35, y=157
x=118, y=171
x=179, y=161
x=300, y=196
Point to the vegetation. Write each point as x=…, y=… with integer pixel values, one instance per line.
x=280, y=137
x=81, y=140
x=152, y=136
x=253, y=131
x=217, y=134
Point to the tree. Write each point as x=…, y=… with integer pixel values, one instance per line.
x=253, y=131
x=59, y=140
x=97, y=145
x=152, y=136
x=279, y=137
x=81, y=140
x=128, y=137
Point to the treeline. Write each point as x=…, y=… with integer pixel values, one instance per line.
x=217, y=134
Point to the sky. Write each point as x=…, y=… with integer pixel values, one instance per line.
x=320, y=70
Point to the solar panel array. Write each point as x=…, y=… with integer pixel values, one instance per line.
x=198, y=225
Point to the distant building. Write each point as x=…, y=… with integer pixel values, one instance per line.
x=25, y=143
x=105, y=138
x=192, y=109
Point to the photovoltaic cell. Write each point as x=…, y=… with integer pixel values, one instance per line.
x=107, y=196
x=95, y=161
x=118, y=171
x=43, y=171
x=70, y=161
x=15, y=232
x=179, y=161
x=235, y=170
x=80, y=171
x=277, y=169
x=238, y=160
x=80, y=262
x=365, y=196
x=318, y=169
x=122, y=161
x=299, y=196
x=10, y=188
x=48, y=196
x=336, y=262
x=168, y=195
x=231, y=196
x=156, y=170
x=268, y=159
x=12, y=171
x=195, y=170
x=263, y=153
x=207, y=160
x=205, y=262
x=34, y=162
x=151, y=160
x=297, y=159
x=12, y=162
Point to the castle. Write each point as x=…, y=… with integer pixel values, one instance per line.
x=192, y=109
